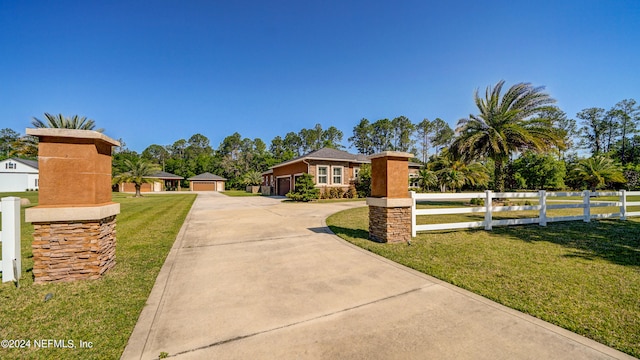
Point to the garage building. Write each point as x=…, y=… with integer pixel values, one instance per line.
x=206, y=182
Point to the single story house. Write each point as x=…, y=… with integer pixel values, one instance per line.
x=18, y=175
x=206, y=182
x=163, y=181
x=329, y=168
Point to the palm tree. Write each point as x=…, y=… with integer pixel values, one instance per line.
x=506, y=124
x=252, y=178
x=138, y=172
x=59, y=121
x=455, y=173
x=597, y=171
x=427, y=179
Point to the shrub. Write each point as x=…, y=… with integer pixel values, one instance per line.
x=539, y=171
x=336, y=193
x=363, y=184
x=352, y=193
x=305, y=189
x=633, y=178
x=477, y=201
x=324, y=193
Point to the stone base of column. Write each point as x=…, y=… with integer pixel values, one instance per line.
x=69, y=251
x=389, y=220
x=76, y=249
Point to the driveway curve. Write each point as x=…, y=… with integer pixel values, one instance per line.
x=253, y=277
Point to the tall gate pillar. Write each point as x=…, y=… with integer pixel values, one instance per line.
x=74, y=223
x=390, y=202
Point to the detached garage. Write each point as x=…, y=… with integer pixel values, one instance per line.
x=206, y=182
x=18, y=175
x=163, y=181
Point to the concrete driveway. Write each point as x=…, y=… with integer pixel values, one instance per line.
x=255, y=278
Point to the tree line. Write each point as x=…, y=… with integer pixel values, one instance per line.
x=518, y=139
x=239, y=159
x=521, y=140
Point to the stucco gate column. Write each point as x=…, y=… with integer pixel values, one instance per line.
x=74, y=223
x=390, y=202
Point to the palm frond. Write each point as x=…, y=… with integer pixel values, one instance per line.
x=503, y=124
x=61, y=122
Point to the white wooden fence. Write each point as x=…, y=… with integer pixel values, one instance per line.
x=11, y=262
x=543, y=205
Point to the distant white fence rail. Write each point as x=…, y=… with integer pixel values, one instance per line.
x=542, y=219
x=11, y=262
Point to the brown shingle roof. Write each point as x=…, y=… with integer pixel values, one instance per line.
x=206, y=176
x=165, y=175
x=328, y=154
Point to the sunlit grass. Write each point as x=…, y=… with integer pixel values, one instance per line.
x=103, y=311
x=584, y=277
x=239, y=193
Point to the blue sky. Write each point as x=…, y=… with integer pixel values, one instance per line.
x=153, y=72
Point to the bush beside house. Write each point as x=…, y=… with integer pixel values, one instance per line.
x=305, y=189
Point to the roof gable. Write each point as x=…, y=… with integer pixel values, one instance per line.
x=165, y=175
x=206, y=176
x=30, y=163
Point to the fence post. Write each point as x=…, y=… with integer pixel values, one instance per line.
x=623, y=205
x=11, y=239
x=488, y=214
x=543, y=208
x=413, y=213
x=586, y=201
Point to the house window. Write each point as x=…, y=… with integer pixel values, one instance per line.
x=323, y=175
x=414, y=180
x=10, y=165
x=36, y=183
x=337, y=175
x=356, y=172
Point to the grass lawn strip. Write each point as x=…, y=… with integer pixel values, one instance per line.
x=103, y=311
x=584, y=277
x=240, y=193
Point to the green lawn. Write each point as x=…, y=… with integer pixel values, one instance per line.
x=103, y=311
x=584, y=277
x=239, y=193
